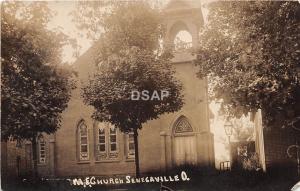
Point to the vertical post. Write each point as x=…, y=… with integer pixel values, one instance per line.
x=228, y=130
x=298, y=159
x=18, y=165
x=259, y=139
x=168, y=146
x=163, y=159
x=34, y=157
x=136, y=149
x=230, y=157
x=297, y=147
x=52, y=156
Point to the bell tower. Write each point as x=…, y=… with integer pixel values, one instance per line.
x=194, y=143
x=179, y=16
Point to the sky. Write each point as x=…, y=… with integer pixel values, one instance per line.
x=63, y=19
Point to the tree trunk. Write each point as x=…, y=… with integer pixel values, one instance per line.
x=34, y=158
x=136, y=149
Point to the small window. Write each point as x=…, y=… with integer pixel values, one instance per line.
x=130, y=146
x=83, y=142
x=42, y=151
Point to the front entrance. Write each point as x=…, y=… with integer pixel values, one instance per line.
x=184, y=150
x=184, y=143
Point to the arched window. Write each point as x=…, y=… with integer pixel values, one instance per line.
x=102, y=140
x=113, y=139
x=83, y=139
x=106, y=141
x=183, y=40
x=182, y=125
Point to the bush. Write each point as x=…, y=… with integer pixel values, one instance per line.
x=251, y=162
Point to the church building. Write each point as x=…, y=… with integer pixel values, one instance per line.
x=83, y=146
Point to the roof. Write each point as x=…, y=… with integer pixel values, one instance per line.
x=174, y=5
x=85, y=65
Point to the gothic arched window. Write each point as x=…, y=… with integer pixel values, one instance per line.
x=83, y=139
x=182, y=125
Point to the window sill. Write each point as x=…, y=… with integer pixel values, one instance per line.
x=83, y=162
x=130, y=159
x=108, y=161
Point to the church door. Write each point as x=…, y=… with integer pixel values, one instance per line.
x=184, y=143
x=185, y=150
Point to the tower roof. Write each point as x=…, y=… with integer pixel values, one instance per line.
x=174, y=5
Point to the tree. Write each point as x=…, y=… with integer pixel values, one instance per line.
x=242, y=129
x=250, y=51
x=89, y=16
x=35, y=88
x=131, y=59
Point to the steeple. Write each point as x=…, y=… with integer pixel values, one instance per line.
x=174, y=5
x=182, y=15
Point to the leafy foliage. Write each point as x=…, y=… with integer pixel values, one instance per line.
x=251, y=162
x=130, y=58
x=89, y=16
x=35, y=87
x=242, y=129
x=250, y=51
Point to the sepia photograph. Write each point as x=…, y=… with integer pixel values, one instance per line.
x=150, y=95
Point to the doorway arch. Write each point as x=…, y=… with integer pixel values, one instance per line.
x=184, y=143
